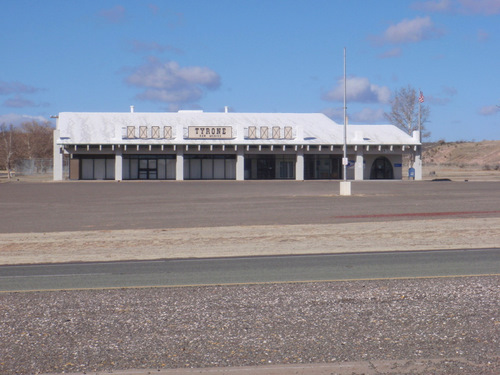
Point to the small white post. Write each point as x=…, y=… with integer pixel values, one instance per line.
x=345, y=187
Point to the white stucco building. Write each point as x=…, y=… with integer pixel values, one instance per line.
x=191, y=145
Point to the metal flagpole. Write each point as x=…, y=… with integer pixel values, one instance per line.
x=345, y=186
x=420, y=101
x=344, y=160
x=419, y=126
x=418, y=163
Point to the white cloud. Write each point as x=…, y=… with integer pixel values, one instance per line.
x=489, y=110
x=16, y=120
x=411, y=31
x=7, y=88
x=170, y=83
x=19, y=102
x=359, y=89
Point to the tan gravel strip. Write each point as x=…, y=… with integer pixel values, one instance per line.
x=457, y=233
x=344, y=368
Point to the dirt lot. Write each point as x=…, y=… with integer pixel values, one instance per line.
x=455, y=173
x=107, y=245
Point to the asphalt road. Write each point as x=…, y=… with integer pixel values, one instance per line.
x=250, y=270
x=74, y=206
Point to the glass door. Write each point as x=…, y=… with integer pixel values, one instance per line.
x=148, y=169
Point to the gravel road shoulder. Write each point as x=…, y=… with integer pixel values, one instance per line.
x=417, y=326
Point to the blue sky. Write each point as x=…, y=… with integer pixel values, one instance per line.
x=254, y=56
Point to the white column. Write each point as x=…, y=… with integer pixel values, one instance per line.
x=359, y=165
x=299, y=165
x=240, y=164
x=58, y=159
x=179, y=164
x=118, y=164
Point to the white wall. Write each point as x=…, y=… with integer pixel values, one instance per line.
x=58, y=159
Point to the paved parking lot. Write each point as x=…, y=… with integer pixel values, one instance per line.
x=76, y=206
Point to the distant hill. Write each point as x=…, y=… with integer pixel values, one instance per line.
x=482, y=155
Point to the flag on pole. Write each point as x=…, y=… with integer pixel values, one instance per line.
x=421, y=97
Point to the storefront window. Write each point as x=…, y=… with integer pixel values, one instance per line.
x=209, y=167
x=90, y=167
x=149, y=167
x=322, y=167
x=269, y=167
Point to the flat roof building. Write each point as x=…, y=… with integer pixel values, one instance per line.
x=194, y=145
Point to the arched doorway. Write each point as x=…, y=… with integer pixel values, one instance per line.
x=381, y=169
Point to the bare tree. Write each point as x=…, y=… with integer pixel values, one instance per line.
x=404, y=111
x=8, y=149
x=32, y=140
x=37, y=140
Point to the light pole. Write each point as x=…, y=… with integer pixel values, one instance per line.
x=345, y=186
x=344, y=160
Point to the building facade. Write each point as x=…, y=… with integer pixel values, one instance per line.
x=195, y=145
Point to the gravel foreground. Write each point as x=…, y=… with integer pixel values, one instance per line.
x=446, y=325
